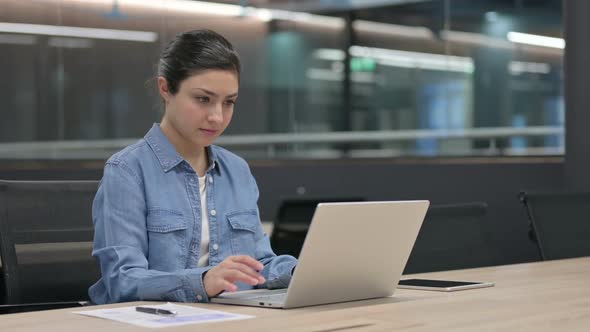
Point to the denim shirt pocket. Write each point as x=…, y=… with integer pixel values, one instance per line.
x=244, y=226
x=167, y=236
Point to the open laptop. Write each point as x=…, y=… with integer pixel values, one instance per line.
x=352, y=251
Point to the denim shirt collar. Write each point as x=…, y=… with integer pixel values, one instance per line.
x=166, y=152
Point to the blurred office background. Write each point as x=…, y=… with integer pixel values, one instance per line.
x=447, y=100
x=334, y=78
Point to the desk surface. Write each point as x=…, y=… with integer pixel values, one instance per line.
x=543, y=296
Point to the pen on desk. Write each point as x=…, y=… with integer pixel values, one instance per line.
x=156, y=311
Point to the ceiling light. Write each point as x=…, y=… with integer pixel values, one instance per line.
x=68, y=31
x=537, y=40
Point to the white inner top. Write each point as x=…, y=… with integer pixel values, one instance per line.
x=204, y=257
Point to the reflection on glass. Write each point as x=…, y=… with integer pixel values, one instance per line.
x=425, y=78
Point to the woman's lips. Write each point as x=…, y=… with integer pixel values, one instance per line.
x=209, y=131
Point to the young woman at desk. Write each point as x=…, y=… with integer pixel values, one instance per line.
x=176, y=217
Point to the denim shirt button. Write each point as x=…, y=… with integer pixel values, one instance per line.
x=215, y=247
x=210, y=179
x=213, y=212
x=199, y=297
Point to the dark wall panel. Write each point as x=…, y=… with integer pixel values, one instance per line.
x=577, y=74
x=496, y=183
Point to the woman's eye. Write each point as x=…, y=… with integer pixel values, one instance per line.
x=230, y=102
x=203, y=99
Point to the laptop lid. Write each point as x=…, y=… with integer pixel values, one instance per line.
x=355, y=251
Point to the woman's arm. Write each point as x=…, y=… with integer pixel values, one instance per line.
x=121, y=246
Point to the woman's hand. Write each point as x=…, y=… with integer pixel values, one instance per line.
x=231, y=270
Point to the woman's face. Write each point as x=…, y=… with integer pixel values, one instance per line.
x=203, y=106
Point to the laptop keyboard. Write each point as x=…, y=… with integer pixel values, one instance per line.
x=269, y=295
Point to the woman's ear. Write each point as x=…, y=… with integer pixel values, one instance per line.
x=163, y=89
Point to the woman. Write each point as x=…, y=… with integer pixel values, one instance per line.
x=176, y=217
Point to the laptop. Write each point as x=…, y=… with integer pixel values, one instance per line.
x=352, y=251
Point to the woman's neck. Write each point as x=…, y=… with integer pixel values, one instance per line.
x=196, y=156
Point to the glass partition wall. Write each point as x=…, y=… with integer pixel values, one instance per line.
x=321, y=79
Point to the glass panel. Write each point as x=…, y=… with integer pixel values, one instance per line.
x=321, y=79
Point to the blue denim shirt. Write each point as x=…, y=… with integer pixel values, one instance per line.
x=147, y=220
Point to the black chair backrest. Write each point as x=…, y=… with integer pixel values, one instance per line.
x=46, y=235
x=452, y=237
x=292, y=222
x=560, y=223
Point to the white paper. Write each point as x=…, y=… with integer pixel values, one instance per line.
x=185, y=315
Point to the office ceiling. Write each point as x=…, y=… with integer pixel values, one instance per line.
x=540, y=16
x=321, y=6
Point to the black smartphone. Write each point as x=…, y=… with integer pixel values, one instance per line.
x=441, y=285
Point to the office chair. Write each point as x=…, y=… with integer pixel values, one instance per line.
x=292, y=223
x=452, y=237
x=46, y=235
x=560, y=223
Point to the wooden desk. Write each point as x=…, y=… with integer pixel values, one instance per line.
x=544, y=296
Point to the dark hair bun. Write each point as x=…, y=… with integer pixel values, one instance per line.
x=195, y=51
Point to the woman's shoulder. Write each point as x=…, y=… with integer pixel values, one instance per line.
x=130, y=155
x=229, y=158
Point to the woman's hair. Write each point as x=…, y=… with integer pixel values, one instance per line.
x=195, y=51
